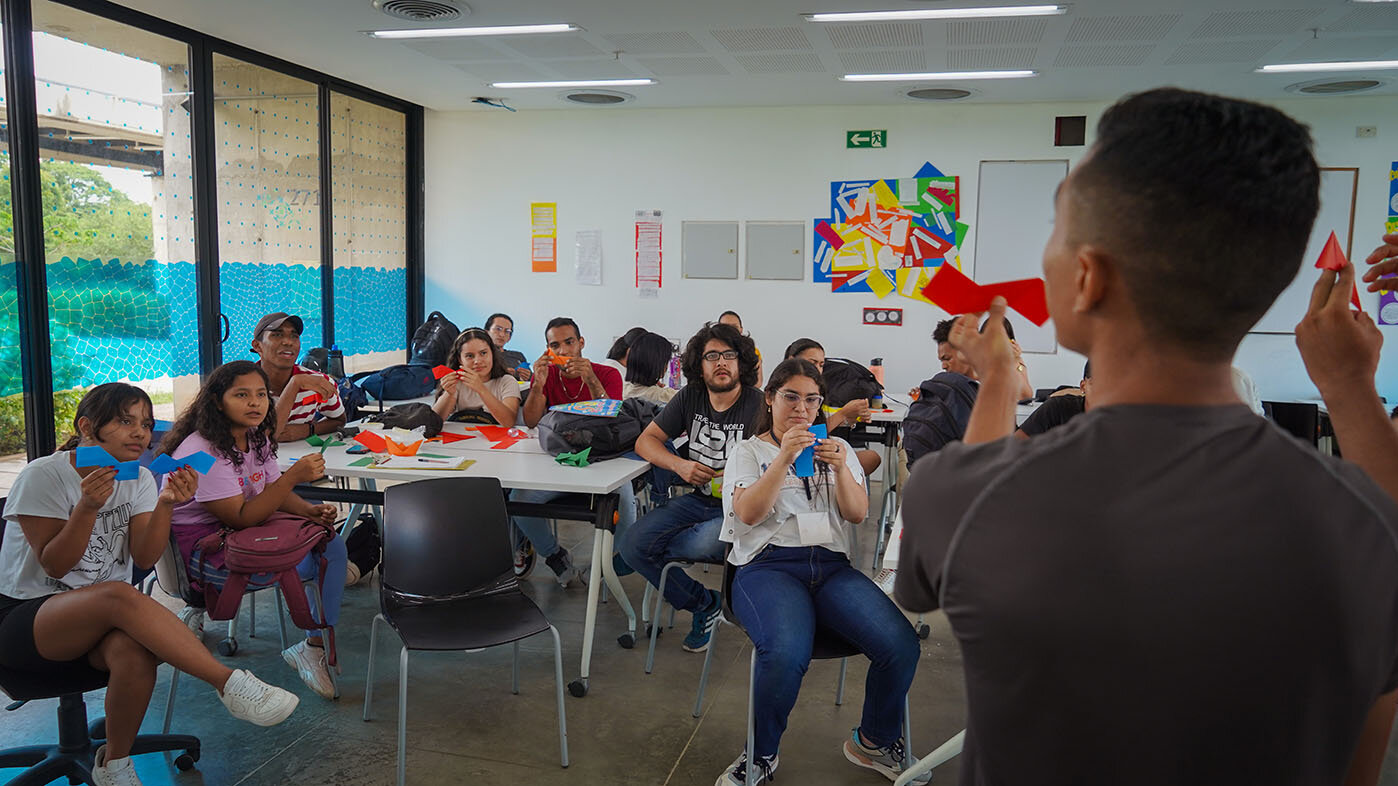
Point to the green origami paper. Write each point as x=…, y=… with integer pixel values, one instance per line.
x=578, y=459
x=324, y=441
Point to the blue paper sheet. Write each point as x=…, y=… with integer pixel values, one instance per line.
x=199, y=461
x=805, y=460
x=97, y=456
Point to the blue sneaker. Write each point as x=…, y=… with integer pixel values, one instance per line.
x=887, y=761
x=703, y=626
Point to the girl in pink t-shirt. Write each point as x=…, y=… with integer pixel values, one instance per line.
x=233, y=420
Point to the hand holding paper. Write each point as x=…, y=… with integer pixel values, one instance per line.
x=805, y=460
x=956, y=294
x=1332, y=258
x=199, y=461
x=97, y=456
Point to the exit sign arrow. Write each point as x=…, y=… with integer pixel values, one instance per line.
x=866, y=138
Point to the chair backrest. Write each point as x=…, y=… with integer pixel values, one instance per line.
x=445, y=537
x=1298, y=418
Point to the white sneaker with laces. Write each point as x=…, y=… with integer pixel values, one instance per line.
x=194, y=620
x=117, y=772
x=250, y=699
x=309, y=662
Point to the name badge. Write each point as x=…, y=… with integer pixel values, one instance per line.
x=814, y=528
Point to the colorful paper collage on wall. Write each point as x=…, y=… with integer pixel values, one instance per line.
x=1388, y=298
x=889, y=236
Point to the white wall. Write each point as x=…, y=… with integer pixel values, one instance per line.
x=769, y=164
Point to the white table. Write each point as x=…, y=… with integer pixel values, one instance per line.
x=523, y=465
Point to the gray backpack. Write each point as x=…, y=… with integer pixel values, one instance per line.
x=565, y=432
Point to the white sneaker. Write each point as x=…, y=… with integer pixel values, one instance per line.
x=119, y=772
x=885, y=579
x=194, y=620
x=736, y=774
x=250, y=699
x=309, y=662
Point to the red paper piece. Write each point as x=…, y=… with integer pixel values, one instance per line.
x=494, y=433
x=504, y=444
x=831, y=236
x=441, y=371
x=957, y=294
x=371, y=441
x=448, y=438
x=1332, y=258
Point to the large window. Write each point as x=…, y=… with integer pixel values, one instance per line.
x=12, y=457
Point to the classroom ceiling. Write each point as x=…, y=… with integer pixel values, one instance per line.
x=710, y=53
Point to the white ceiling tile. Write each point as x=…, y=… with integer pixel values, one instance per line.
x=996, y=31
x=884, y=61
x=1214, y=52
x=546, y=46
x=675, y=43
x=1101, y=56
x=1088, y=29
x=457, y=49
x=892, y=36
x=1343, y=48
x=1364, y=20
x=591, y=69
x=782, y=63
x=501, y=72
x=1230, y=24
x=683, y=66
x=1004, y=57
x=762, y=39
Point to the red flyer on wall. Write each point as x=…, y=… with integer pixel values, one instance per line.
x=648, y=261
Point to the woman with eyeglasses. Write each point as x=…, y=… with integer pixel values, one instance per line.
x=791, y=541
x=478, y=382
x=501, y=329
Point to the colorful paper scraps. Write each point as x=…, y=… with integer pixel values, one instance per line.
x=878, y=228
x=597, y=407
x=199, y=461
x=578, y=459
x=441, y=371
x=954, y=293
x=371, y=440
x=1332, y=258
x=323, y=441
x=97, y=456
x=447, y=437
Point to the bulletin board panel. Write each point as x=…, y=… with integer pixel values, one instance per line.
x=709, y=249
x=776, y=250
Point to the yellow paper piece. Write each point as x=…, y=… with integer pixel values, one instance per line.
x=911, y=282
x=885, y=196
x=879, y=283
x=543, y=237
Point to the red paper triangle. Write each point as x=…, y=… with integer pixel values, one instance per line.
x=448, y=437
x=371, y=441
x=1331, y=257
x=441, y=371
x=503, y=444
x=955, y=293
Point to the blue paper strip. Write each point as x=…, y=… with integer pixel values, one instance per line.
x=199, y=461
x=97, y=456
x=805, y=460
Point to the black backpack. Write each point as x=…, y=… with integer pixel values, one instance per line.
x=327, y=361
x=565, y=432
x=846, y=381
x=396, y=383
x=432, y=341
x=940, y=414
x=410, y=416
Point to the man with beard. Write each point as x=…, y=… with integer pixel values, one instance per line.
x=717, y=409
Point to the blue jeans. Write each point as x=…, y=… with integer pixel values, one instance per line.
x=309, y=570
x=783, y=597
x=685, y=527
x=537, y=529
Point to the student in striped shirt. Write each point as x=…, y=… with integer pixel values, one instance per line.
x=307, y=402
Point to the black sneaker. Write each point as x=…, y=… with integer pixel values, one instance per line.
x=564, y=571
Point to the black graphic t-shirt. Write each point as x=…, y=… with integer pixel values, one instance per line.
x=712, y=434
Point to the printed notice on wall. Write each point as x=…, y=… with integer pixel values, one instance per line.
x=587, y=246
x=648, y=262
x=543, y=232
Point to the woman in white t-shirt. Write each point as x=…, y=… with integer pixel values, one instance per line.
x=478, y=380
x=67, y=605
x=791, y=542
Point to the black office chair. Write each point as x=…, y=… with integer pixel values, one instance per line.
x=78, y=740
x=447, y=583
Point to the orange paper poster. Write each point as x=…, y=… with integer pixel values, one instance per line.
x=543, y=237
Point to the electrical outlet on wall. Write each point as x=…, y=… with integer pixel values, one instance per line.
x=1366, y=132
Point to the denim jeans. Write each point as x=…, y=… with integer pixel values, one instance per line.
x=685, y=527
x=783, y=597
x=537, y=529
x=309, y=570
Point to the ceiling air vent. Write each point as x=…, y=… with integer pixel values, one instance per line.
x=597, y=97
x=422, y=10
x=937, y=94
x=1330, y=87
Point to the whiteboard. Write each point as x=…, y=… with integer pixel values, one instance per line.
x=1337, y=191
x=1014, y=218
x=776, y=250
x=709, y=249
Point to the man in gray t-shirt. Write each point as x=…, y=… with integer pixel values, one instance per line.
x=1167, y=589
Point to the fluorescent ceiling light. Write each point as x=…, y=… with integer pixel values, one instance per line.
x=1373, y=1
x=938, y=76
x=462, y=32
x=1349, y=65
x=577, y=83
x=937, y=13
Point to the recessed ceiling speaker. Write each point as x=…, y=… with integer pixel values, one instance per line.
x=937, y=93
x=423, y=10
x=597, y=97
x=1330, y=87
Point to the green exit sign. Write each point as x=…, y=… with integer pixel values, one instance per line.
x=877, y=137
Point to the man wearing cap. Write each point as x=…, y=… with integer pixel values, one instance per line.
x=307, y=402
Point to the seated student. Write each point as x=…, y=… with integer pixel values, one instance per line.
x=732, y=319
x=232, y=420
x=478, y=380
x=846, y=416
x=616, y=356
x=67, y=605
x=1060, y=408
x=717, y=410
x=305, y=401
x=501, y=328
x=941, y=406
x=956, y=362
x=577, y=380
x=792, y=544
x=1165, y=547
x=647, y=361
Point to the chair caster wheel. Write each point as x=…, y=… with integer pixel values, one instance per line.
x=185, y=762
x=228, y=647
x=626, y=640
x=923, y=631
x=578, y=688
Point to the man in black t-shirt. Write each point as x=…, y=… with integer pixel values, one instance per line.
x=1060, y=408
x=1168, y=589
x=716, y=410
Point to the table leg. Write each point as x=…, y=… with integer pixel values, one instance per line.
x=369, y=484
x=888, y=507
x=627, y=640
x=578, y=687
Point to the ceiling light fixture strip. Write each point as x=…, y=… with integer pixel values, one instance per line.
x=467, y=32
x=934, y=14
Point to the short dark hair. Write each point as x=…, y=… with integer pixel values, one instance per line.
x=106, y=403
x=1009, y=329
x=693, y=359
x=1087, y=370
x=733, y=314
x=490, y=320
x=649, y=359
x=1205, y=203
x=619, y=347
x=942, y=333
x=801, y=345
x=558, y=322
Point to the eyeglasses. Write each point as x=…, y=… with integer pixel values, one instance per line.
x=792, y=398
x=504, y=331
x=713, y=357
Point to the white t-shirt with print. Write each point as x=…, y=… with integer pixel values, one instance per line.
x=50, y=487
x=746, y=464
